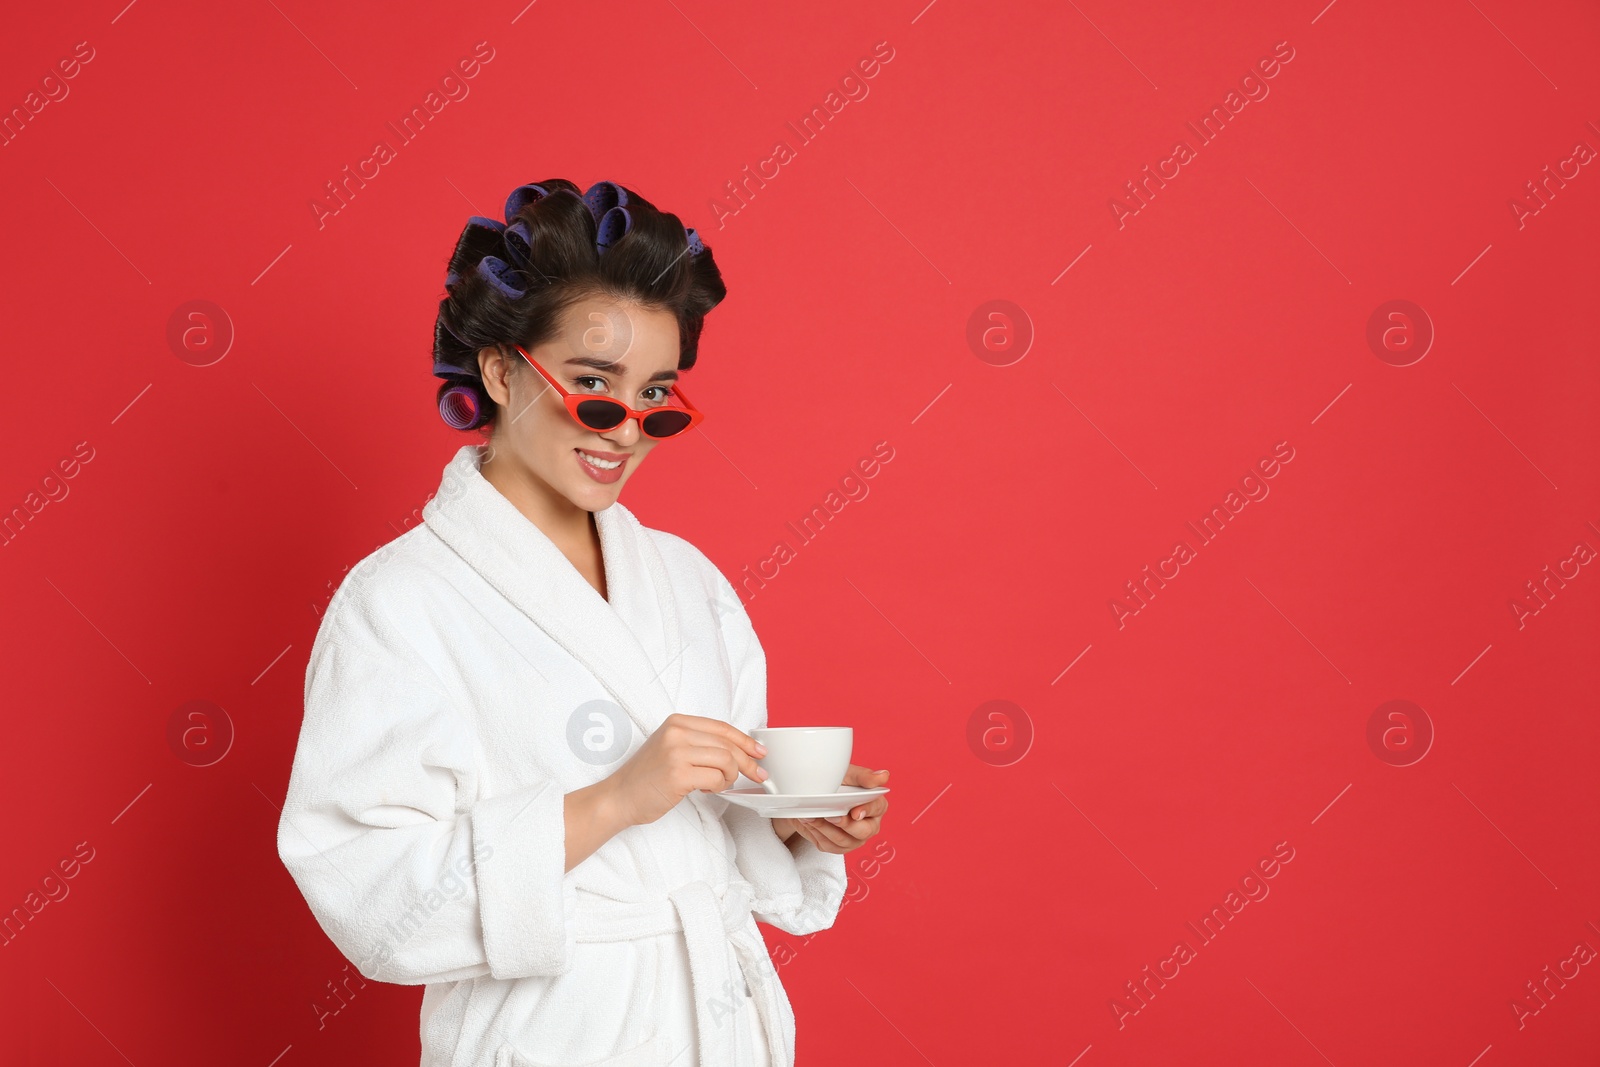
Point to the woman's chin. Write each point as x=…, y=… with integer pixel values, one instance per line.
x=592, y=504
x=594, y=496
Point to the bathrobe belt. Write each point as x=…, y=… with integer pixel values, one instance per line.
x=708, y=921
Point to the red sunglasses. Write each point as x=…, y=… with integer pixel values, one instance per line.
x=607, y=413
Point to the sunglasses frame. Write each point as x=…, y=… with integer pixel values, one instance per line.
x=572, y=400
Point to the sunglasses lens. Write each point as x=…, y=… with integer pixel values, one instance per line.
x=601, y=414
x=666, y=423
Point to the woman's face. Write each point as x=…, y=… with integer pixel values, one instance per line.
x=606, y=348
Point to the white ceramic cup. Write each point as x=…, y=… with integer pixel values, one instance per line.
x=805, y=760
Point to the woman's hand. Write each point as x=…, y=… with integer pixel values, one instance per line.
x=685, y=753
x=852, y=829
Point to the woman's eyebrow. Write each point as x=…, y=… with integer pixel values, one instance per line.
x=613, y=368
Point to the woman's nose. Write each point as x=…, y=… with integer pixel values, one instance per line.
x=624, y=433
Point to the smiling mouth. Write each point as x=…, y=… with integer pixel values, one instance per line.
x=605, y=461
x=595, y=466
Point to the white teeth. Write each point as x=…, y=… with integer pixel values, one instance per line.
x=603, y=464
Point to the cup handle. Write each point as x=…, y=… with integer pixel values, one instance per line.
x=770, y=787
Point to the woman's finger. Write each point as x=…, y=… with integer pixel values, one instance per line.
x=743, y=760
x=725, y=732
x=856, y=829
x=715, y=758
x=873, y=809
x=865, y=777
x=743, y=742
x=825, y=829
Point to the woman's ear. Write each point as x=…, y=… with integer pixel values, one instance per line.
x=492, y=369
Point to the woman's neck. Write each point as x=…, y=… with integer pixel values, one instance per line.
x=563, y=522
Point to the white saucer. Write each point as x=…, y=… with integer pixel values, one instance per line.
x=814, y=806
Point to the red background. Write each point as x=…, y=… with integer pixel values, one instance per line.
x=1028, y=880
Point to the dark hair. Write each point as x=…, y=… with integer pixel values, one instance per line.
x=512, y=282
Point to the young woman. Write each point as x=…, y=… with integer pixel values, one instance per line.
x=518, y=714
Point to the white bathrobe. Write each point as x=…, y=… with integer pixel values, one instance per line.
x=464, y=679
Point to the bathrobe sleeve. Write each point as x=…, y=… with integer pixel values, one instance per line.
x=798, y=887
x=412, y=883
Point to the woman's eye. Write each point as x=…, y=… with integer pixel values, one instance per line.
x=661, y=392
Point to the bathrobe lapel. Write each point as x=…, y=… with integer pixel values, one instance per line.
x=632, y=643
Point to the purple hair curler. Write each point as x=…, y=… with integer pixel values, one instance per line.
x=612, y=225
x=601, y=197
x=519, y=243
x=523, y=195
x=449, y=370
x=497, y=227
x=460, y=405
x=500, y=274
x=486, y=223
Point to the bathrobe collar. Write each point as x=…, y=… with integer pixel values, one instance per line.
x=631, y=642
